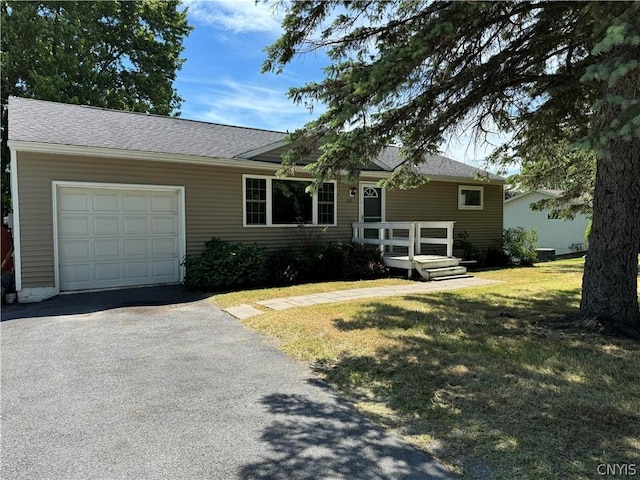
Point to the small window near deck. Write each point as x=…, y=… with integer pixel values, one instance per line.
x=470, y=197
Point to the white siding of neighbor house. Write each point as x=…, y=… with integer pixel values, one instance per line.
x=561, y=235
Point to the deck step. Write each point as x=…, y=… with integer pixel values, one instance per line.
x=432, y=273
x=451, y=277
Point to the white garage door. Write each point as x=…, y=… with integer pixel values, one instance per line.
x=115, y=237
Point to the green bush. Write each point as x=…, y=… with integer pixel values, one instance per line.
x=229, y=266
x=520, y=243
x=362, y=261
x=495, y=257
x=286, y=267
x=225, y=266
x=468, y=249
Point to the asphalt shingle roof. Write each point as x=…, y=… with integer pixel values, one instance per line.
x=59, y=123
x=77, y=125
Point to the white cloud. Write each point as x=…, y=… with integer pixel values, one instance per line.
x=237, y=16
x=253, y=105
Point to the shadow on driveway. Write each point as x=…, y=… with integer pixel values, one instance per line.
x=309, y=439
x=80, y=303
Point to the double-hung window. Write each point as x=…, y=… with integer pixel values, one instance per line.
x=470, y=197
x=270, y=201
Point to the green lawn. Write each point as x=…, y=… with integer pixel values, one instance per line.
x=490, y=380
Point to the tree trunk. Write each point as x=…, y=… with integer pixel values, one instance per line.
x=610, y=283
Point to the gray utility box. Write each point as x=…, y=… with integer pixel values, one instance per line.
x=546, y=254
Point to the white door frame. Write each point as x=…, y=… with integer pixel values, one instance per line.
x=383, y=200
x=182, y=243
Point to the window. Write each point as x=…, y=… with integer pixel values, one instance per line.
x=470, y=197
x=270, y=201
x=256, y=201
x=326, y=204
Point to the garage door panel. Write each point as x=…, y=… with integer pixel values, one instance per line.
x=106, y=248
x=164, y=225
x=80, y=273
x=106, y=225
x=136, y=270
x=106, y=202
x=163, y=204
x=136, y=247
x=164, y=246
x=134, y=203
x=111, y=237
x=107, y=272
x=78, y=250
x=74, y=202
x=136, y=225
x=69, y=226
x=164, y=268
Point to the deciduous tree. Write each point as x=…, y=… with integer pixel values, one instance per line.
x=114, y=54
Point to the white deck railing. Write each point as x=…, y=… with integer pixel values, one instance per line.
x=411, y=239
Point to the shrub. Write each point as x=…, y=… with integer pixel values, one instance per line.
x=520, y=243
x=362, y=261
x=495, y=257
x=225, y=266
x=286, y=267
x=468, y=249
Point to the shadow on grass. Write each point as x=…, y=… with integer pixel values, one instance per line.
x=490, y=378
x=312, y=440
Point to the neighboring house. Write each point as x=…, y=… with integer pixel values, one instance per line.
x=565, y=236
x=107, y=199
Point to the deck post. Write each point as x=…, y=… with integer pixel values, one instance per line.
x=418, y=238
x=412, y=246
x=381, y=237
x=450, y=239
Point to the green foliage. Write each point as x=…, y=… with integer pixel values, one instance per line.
x=520, y=243
x=560, y=79
x=587, y=234
x=362, y=261
x=496, y=257
x=412, y=72
x=225, y=266
x=114, y=54
x=469, y=250
x=323, y=261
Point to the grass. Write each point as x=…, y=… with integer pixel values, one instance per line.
x=489, y=380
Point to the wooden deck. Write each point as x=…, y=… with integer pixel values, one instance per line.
x=408, y=237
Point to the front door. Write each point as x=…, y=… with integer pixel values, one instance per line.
x=371, y=206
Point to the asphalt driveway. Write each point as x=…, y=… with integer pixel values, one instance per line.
x=156, y=383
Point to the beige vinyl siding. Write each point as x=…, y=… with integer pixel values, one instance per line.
x=438, y=201
x=213, y=204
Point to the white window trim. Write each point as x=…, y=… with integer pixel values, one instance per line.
x=462, y=206
x=314, y=211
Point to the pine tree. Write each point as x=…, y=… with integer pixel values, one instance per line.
x=412, y=72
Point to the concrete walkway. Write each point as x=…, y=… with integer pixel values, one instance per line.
x=245, y=311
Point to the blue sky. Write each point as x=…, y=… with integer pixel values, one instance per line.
x=221, y=81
